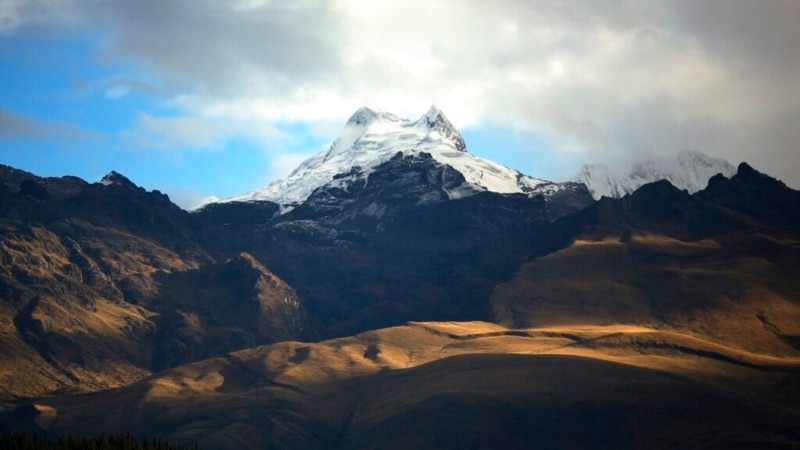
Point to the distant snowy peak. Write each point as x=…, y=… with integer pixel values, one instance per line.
x=372, y=137
x=690, y=171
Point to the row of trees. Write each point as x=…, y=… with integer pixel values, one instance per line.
x=21, y=441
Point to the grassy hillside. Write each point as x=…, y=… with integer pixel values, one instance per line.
x=461, y=385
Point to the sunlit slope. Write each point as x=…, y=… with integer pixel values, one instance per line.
x=741, y=289
x=723, y=265
x=102, y=284
x=460, y=385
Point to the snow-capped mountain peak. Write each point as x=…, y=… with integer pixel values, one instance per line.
x=690, y=170
x=372, y=137
x=366, y=115
x=436, y=121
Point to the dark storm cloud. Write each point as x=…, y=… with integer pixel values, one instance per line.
x=654, y=78
x=224, y=50
x=760, y=38
x=758, y=42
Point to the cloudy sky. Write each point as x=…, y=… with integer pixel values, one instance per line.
x=205, y=97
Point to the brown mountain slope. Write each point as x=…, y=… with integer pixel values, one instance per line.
x=742, y=288
x=65, y=321
x=461, y=385
x=224, y=307
x=71, y=320
x=723, y=264
x=100, y=284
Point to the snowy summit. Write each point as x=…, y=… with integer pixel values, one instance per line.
x=371, y=137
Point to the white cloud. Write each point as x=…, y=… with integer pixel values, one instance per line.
x=117, y=91
x=197, y=132
x=601, y=79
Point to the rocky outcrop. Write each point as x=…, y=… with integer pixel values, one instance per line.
x=225, y=307
x=89, y=280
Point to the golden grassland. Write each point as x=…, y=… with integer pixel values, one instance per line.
x=738, y=289
x=376, y=388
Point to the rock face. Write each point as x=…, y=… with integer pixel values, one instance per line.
x=89, y=277
x=690, y=171
x=222, y=308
